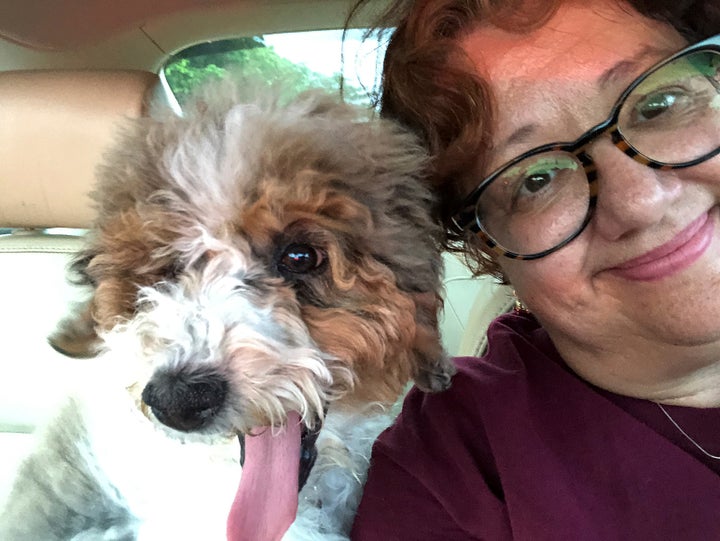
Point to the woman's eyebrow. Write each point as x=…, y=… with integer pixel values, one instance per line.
x=620, y=71
x=626, y=68
x=520, y=135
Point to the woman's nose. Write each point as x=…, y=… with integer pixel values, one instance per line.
x=631, y=196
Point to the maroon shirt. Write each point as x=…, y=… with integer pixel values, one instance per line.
x=521, y=448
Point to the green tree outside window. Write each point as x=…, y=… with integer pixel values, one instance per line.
x=251, y=56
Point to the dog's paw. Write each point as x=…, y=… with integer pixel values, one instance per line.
x=435, y=376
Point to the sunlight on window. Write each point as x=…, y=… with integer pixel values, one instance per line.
x=298, y=60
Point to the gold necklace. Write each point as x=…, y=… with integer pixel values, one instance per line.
x=696, y=444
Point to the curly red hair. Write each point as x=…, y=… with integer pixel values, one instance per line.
x=430, y=86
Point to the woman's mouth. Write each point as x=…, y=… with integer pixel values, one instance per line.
x=673, y=256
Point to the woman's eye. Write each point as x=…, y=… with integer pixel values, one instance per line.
x=541, y=174
x=533, y=189
x=301, y=259
x=535, y=183
x=656, y=104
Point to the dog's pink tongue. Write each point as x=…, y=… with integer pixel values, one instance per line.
x=267, y=499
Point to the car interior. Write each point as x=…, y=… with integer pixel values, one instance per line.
x=70, y=72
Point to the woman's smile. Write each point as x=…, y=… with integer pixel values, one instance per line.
x=673, y=256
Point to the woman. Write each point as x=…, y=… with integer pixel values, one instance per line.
x=597, y=414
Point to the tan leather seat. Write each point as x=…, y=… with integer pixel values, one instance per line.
x=54, y=128
x=471, y=304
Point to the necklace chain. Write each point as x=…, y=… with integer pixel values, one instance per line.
x=696, y=444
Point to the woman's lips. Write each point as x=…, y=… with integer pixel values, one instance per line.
x=673, y=256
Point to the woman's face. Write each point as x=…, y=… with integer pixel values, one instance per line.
x=641, y=282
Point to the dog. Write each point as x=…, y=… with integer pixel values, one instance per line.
x=265, y=280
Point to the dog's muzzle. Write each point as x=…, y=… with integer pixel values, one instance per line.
x=185, y=401
x=189, y=401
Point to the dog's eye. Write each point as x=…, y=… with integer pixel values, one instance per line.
x=301, y=259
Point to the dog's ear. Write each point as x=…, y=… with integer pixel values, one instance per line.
x=75, y=335
x=433, y=370
x=435, y=374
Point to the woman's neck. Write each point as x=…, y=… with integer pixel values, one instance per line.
x=679, y=375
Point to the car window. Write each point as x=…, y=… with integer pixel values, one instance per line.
x=298, y=60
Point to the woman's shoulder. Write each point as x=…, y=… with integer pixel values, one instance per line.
x=516, y=341
x=518, y=348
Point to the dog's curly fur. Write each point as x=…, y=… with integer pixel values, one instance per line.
x=283, y=248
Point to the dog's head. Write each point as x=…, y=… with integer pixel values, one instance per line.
x=262, y=262
x=261, y=259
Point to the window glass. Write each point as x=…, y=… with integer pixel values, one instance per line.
x=65, y=231
x=298, y=60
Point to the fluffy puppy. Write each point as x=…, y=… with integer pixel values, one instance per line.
x=261, y=268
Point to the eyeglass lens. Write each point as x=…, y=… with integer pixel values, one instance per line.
x=672, y=117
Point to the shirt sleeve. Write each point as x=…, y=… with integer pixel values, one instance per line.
x=397, y=506
x=432, y=474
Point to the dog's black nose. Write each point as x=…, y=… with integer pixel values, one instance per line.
x=185, y=401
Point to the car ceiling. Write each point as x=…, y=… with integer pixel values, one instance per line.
x=140, y=34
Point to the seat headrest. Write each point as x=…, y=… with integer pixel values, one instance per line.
x=54, y=128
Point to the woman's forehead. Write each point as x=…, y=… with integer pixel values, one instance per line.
x=580, y=42
x=558, y=80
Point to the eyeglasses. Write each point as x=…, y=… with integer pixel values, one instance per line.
x=668, y=118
